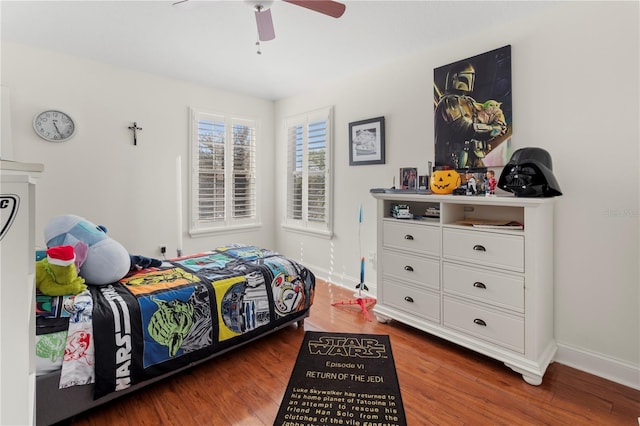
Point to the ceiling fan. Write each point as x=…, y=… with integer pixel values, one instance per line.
x=263, y=12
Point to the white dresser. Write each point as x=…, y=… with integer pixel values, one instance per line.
x=490, y=290
x=17, y=292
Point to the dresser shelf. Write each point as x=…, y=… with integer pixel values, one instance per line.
x=490, y=290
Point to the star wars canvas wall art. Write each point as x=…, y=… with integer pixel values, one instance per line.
x=473, y=111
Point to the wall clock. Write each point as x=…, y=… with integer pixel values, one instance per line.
x=54, y=126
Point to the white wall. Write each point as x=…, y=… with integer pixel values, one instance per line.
x=576, y=94
x=99, y=174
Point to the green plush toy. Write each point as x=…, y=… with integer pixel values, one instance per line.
x=56, y=275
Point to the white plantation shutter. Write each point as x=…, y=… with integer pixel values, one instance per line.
x=244, y=170
x=210, y=155
x=224, y=171
x=317, y=182
x=308, y=171
x=295, y=175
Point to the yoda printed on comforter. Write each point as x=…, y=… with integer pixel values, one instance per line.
x=161, y=319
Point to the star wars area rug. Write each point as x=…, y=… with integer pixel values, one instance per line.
x=343, y=379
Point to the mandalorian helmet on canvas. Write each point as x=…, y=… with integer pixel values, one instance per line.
x=528, y=174
x=461, y=77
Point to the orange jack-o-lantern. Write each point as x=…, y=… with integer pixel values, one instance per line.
x=444, y=181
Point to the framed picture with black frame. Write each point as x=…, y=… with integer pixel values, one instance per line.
x=366, y=142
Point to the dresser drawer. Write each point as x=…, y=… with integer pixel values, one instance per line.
x=486, y=286
x=486, y=324
x=413, y=301
x=411, y=237
x=418, y=270
x=484, y=248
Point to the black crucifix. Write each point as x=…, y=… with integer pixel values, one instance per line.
x=134, y=129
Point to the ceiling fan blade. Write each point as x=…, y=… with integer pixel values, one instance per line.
x=175, y=3
x=265, y=25
x=328, y=7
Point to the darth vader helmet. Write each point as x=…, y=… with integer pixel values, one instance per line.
x=528, y=174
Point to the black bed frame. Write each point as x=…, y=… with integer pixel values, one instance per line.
x=54, y=405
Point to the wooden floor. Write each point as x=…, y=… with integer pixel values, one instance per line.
x=441, y=383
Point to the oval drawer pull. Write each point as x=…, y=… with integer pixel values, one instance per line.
x=408, y=237
x=479, y=322
x=408, y=268
x=478, y=284
x=478, y=247
x=408, y=299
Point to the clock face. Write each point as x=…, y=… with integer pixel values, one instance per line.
x=54, y=126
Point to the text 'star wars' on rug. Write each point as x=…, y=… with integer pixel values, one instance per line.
x=343, y=379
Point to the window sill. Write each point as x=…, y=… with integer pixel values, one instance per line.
x=307, y=231
x=204, y=232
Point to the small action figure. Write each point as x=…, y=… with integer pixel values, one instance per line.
x=471, y=184
x=491, y=182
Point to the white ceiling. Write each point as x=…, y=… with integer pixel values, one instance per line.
x=213, y=42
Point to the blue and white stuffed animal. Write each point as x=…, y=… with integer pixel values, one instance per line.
x=105, y=260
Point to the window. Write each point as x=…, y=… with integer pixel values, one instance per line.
x=308, y=172
x=223, y=172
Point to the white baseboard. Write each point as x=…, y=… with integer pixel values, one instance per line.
x=590, y=362
x=599, y=365
x=342, y=280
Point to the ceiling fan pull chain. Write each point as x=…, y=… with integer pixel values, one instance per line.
x=259, y=52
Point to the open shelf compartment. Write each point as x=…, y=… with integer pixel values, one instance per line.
x=421, y=210
x=452, y=214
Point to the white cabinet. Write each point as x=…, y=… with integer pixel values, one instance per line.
x=490, y=290
x=17, y=293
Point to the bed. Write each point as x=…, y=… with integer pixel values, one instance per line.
x=113, y=340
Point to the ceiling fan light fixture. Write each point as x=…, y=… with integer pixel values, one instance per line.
x=265, y=24
x=262, y=4
x=262, y=10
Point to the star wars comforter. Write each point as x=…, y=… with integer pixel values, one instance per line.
x=53, y=314
x=160, y=319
